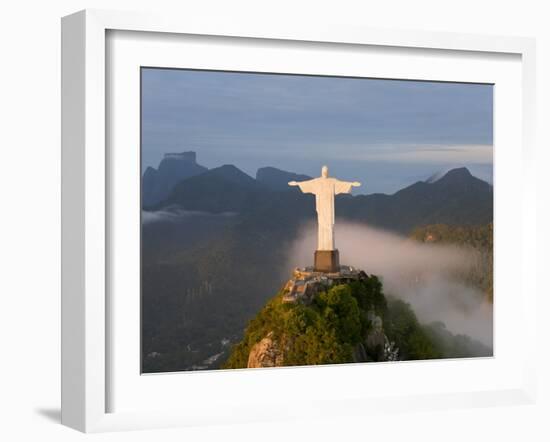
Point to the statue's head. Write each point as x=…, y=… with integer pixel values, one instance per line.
x=324, y=172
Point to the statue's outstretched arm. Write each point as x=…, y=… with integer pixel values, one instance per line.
x=345, y=186
x=307, y=186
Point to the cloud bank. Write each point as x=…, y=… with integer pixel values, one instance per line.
x=174, y=214
x=420, y=274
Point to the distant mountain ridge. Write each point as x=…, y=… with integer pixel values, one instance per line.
x=456, y=198
x=277, y=179
x=223, y=189
x=441, y=173
x=174, y=167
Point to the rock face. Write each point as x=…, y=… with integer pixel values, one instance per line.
x=265, y=353
x=376, y=339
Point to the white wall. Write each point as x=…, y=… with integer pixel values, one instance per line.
x=30, y=220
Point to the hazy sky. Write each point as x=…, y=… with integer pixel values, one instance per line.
x=385, y=133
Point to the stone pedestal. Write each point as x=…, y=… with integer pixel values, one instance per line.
x=327, y=261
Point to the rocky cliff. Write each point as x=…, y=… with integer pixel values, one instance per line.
x=319, y=318
x=343, y=317
x=266, y=353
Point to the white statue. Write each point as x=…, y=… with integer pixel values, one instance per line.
x=324, y=188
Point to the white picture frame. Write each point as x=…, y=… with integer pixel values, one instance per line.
x=86, y=207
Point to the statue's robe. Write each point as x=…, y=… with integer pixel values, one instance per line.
x=324, y=190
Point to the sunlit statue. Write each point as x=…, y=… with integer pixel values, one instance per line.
x=325, y=188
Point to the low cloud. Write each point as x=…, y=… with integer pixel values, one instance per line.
x=424, y=275
x=174, y=214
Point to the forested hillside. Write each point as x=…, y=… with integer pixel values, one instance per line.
x=478, y=239
x=338, y=326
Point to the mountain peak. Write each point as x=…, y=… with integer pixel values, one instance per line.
x=351, y=292
x=458, y=176
x=174, y=167
x=455, y=173
x=231, y=173
x=222, y=189
x=458, y=172
x=188, y=156
x=277, y=179
x=228, y=167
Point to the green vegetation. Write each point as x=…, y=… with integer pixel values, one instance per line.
x=478, y=239
x=324, y=332
x=454, y=346
x=335, y=324
x=407, y=333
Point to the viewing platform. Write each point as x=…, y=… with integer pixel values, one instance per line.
x=306, y=282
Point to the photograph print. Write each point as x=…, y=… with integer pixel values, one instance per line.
x=302, y=220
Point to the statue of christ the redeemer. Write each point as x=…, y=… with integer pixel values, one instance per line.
x=325, y=188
